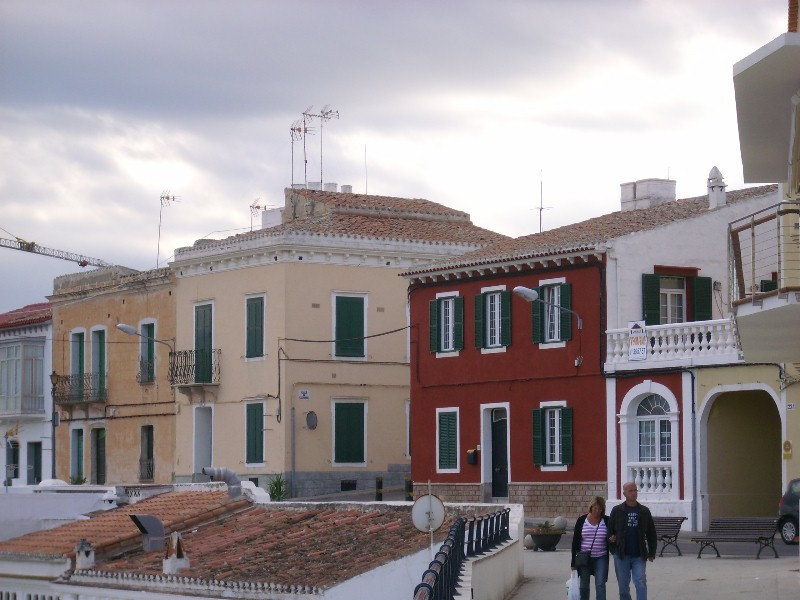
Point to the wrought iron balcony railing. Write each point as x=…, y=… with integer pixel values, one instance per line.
x=81, y=388
x=147, y=371
x=192, y=367
x=147, y=468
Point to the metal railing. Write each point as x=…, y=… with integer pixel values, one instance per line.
x=21, y=404
x=764, y=253
x=147, y=371
x=190, y=367
x=81, y=388
x=147, y=468
x=467, y=537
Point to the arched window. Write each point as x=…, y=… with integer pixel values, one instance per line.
x=655, y=431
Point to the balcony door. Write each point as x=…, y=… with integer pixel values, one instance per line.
x=202, y=343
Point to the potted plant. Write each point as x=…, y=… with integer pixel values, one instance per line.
x=545, y=536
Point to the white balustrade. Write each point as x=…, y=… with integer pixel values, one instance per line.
x=651, y=477
x=711, y=341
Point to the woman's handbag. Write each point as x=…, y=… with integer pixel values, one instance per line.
x=582, y=557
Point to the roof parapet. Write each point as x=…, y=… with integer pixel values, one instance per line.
x=646, y=193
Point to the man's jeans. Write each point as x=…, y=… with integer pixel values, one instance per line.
x=598, y=566
x=624, y=566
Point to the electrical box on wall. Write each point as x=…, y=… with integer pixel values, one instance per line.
x=472, y=457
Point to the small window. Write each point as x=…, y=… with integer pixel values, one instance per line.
x=349, y=326
x=447, y=442
x=446, y=324
x=255, y=327
x=655, y=430
x=493, y=319
x=670, y=299
x=552, y=436
x=255, y=432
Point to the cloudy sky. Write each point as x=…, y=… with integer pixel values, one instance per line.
x=494, y=108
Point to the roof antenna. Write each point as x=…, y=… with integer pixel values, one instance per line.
x=166, y=200
x=295, y=132
x=325, y=114
x=541, y=197
x=306, y=129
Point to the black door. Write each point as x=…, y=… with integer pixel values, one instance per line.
x=499, y=453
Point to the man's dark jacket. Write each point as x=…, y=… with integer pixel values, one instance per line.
x=618, y=524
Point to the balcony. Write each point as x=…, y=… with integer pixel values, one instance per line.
x=81, y=389
x=651, y=478
x=764, y=272
x=146, y=470
x=675, y=345
x=147, y=371
x=195, y=372
x=21, y=406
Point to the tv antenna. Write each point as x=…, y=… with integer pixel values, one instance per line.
x=325, y=114
x=541, y=208
x=306, y=130
x=166, y=200
x=296, y=133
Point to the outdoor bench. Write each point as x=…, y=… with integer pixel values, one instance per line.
x=759, y=530
x=667, y=531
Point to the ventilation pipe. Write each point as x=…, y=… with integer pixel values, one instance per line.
x=226, y=475
x=152, y=532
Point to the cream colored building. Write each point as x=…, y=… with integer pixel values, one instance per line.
x=293, y=342
x=116, y=407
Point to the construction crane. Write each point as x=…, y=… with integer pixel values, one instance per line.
x=20, y=244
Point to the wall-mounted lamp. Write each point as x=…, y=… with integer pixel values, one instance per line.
x=124, y=328
x=530, y=295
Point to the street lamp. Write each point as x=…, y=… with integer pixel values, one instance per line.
x=530, y=295
x=124, y=328
x=54, y=377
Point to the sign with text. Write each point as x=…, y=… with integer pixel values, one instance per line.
x=637, y=341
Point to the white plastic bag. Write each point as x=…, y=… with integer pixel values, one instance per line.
x=573, y=587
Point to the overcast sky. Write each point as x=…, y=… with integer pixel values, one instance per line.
x=477, y=105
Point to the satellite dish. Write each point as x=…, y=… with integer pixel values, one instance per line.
x=427, y=514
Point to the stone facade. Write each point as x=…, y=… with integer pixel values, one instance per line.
x=548, y=500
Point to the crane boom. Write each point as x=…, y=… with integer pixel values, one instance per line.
x=20, y=244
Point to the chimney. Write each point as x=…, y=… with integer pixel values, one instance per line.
x=646, y=193
x=175, y=558
x=331, y=187
x=84, y=555
x=152, y=532
x=347, y=189
x=315, y=185
x=716, y=189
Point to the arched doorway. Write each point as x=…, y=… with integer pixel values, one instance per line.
x=741, y=444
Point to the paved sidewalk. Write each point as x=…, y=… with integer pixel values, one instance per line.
x=737, y=574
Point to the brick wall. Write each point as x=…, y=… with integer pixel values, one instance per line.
x=548, y=500
x=451, y=492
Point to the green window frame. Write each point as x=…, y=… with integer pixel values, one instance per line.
x=544, y=445
x=446, y=324
x=147, y=353
x=701, y=289
x=349, y=326
x=349, y=433
x=539, y=315
x=203, y=341
x=254, y=432
x=98, y=364
x=76, y=462
x=254, y=327
x=493, y=319
x=447, y=440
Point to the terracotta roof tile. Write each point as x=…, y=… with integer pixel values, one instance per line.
x=27, y=315
x=588, y=234
x=342, y=201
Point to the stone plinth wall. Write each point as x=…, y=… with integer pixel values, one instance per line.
x=548, y=500
x=451, y=492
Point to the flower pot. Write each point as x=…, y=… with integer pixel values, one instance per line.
x=546, y=541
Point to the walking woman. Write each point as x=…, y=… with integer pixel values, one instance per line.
x=591, y=536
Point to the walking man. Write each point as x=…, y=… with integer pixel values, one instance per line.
x=632, y=535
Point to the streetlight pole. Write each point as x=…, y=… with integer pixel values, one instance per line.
x=124, y=328
x=54, y=377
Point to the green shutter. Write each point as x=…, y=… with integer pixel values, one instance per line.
x=148, y=358
x=348, y=445
x=434, y=337
x=202, y=343
x=701, y=298
x=651, y=299
x=537, y=319
x=566, y=317
x=458, y=322
x=538, y=436
x=566, y=435
x=349, y=326
x=480, y=328
x=505, y=318
x=448, y=441
x=255, y=433
x=767, y=285
x=255, y=327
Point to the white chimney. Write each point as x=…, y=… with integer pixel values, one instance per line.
x=347, y=189
x=271, y=217
x=331, y=187
x=175, y=558
x=716, y=189
x=84, y=555
x=315, y=185
x=646, y=193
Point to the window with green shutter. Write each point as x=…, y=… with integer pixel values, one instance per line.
x=254, y=432
x=349, y=327
x=255, y=327
x=551, y=324
x=348, y=432
x=147, y=353
x=664, y=298
x=493, y=319
x=446, y=325
x=447, y=436
x=552, y=436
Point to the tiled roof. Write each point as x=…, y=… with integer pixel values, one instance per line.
x=238, y=542
x=27, y=315
x=350, y=202
x=591, y=233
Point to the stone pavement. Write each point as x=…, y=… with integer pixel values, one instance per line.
x=737, y=574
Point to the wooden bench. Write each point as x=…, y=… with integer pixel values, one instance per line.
x=667, y=531
x=759, y=530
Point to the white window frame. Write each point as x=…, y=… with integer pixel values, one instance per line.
x=548, y=407
x=493, y=322
x=551, y=312
x=669, y=298
x=449, y=297
x=456, y=410
x=263, y=356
